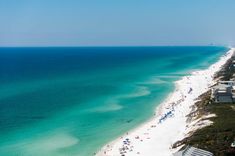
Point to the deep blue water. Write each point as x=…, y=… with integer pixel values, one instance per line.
x=71, y=101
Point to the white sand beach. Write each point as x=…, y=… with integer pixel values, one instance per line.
x=156, y=137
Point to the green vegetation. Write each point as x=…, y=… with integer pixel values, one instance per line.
x=218, y=137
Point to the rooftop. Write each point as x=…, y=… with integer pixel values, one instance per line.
x=192, y=151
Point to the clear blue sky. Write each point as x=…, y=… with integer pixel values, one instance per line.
x=116, y=22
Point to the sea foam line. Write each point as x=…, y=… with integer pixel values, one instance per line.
x=169, y=124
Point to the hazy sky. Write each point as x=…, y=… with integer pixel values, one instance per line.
x=116, y=22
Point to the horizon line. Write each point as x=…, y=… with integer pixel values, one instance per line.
x=110, y=46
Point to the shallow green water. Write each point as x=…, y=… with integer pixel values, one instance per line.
x=71, y=101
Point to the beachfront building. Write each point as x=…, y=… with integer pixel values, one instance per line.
x=233, y=77
x=233, y=63
x=224, y=92
x=192, y=151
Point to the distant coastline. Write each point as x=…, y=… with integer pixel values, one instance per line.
x=169, y=124
x=91, y=95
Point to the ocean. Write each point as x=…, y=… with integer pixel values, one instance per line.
x=62, y=101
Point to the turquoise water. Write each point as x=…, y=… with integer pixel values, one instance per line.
x=72, y=101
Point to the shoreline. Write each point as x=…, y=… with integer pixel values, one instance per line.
x=169, y=124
